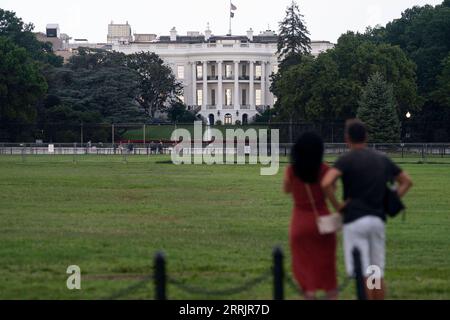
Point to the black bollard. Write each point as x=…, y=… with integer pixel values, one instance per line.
x=278, y=274
x=357, y=265
x=160, y=277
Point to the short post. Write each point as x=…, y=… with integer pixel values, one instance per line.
x=357, y=265
x=112, y=138
x=143, y=129
x=278, y=274
x=160, y=276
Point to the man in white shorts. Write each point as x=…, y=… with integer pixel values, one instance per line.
x=365, y=174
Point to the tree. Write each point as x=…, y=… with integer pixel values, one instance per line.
x=178, y=113
x=328, y=88
x=422, y=32
x=442, y=93
x=21, y=86
x=377, y=109
x=95, y=87
x=110, y=91
x=88, y=58
x=293, y=38
x=158, y=85
x=22, y=35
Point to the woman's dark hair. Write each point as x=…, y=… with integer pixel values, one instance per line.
x=307, y=157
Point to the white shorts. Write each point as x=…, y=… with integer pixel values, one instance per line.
x=368, y=235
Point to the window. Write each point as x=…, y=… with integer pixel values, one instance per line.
x=228, y=70
x=180, y=72
x=258, y=71
x=228, y=97
x=213, y=97
x=199, y=71
x=199, y=97
x=244, y=70
x=228, y=119
x=213, y=71
x=258, y=97
x=244, y=97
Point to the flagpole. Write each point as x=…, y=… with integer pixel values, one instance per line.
x=230, y=19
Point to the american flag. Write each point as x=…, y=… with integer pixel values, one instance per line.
x=232, y=8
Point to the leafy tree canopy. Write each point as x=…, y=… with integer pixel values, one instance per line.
x=21, y=86
x=158, y=85
x=22, y=35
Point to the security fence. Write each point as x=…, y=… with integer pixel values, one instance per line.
x=331, y=131
x=415, y=151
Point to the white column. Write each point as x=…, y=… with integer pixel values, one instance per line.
x=236, y=85
x=252, y=85
x=220, y=85
x=263, y=83
x=194, y=83
x=205, y=85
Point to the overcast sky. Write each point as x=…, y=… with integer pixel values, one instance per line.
x=326, y=19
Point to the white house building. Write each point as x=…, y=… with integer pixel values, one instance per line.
x=225, y=78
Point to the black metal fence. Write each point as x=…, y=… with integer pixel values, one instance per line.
x=414, y=151
x=332, y=132
x=161, y=280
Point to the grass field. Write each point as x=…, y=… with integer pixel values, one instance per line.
x=217, y=225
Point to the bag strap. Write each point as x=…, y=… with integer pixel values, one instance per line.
x=311, y=200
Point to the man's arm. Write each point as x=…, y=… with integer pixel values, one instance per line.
x=328, y=186
x=404, y=183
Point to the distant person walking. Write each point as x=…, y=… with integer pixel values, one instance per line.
x=365, y=174
x=313, y=254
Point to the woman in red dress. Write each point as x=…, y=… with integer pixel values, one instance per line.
x=313, y=254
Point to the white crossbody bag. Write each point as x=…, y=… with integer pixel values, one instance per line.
x=331, y=223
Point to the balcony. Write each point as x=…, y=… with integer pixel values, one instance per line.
x=214, y=78
x=245, y=107
x=228, y=107
x=244, y=77
x=211, y=107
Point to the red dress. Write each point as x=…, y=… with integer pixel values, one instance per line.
x=313, y=254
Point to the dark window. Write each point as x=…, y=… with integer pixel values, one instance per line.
x=244, y=97
x=213, y=97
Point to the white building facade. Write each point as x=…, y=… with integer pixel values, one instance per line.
x=225, y=78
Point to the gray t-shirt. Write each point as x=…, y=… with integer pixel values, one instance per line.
x=365, y=174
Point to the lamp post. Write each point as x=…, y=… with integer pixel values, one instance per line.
x=408, y=116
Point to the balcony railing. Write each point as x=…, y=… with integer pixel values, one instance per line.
x=211, y=107
x=228, y=107
x=245, y=107
x=229, y=78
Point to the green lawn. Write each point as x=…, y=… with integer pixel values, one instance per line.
x=217, y=225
